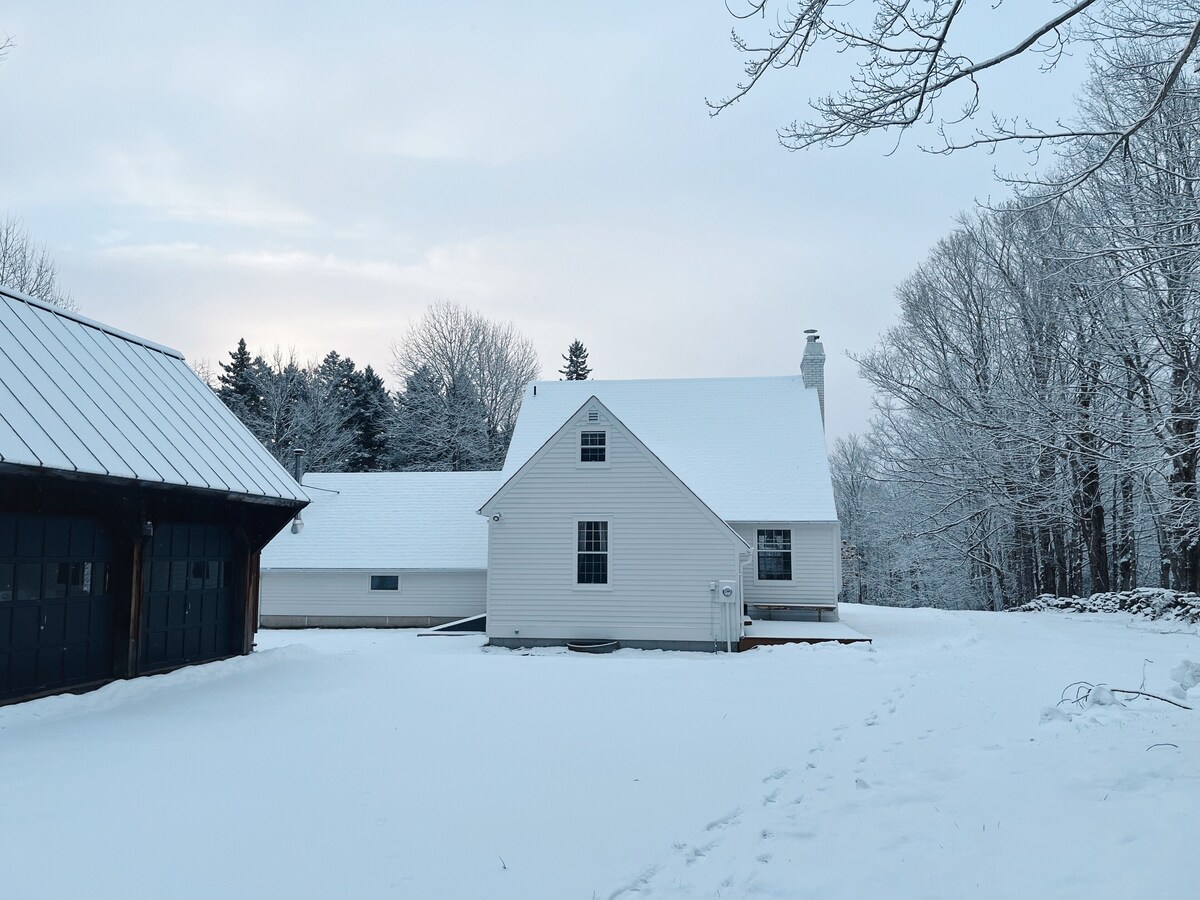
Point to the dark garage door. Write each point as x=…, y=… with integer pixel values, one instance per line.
x=190, y=609
x=57, y=622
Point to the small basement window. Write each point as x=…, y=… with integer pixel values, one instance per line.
x=774, y=554
x=593, y=446
x=385, y=582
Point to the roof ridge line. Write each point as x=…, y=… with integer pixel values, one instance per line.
x=11, y=294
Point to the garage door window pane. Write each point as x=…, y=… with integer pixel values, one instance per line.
x=55, y=585
x=81, y=579
x=6, y=582
x=29, y=581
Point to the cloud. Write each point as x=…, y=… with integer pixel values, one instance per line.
x=154, y=177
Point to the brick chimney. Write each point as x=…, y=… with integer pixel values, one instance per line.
x=812, y=366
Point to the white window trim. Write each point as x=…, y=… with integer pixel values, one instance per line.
x=602, y=429
x=590, y=588
x=791, y=553
x=373, y=591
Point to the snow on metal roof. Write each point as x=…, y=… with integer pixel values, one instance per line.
x=389, y=520
x=79, y=396
x=752, y=448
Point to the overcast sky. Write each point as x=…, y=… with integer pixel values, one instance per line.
x=314, y=175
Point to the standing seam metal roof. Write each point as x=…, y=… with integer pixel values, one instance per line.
x=79, y=396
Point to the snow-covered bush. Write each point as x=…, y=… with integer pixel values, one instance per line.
x=1152, y=603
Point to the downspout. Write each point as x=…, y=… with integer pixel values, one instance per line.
x=729, y=629
x=743, y=557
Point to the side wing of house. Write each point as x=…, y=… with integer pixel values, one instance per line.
x=595, y=538
x=795, y=564
x=381, y=549
x=370, y=598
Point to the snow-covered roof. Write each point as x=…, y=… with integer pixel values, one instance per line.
x=389, y=520
x=752, y=448
x=78, y=396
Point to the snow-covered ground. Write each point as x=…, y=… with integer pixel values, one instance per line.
x=382, y=764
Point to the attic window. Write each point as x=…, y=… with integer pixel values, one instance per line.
x=593, y=446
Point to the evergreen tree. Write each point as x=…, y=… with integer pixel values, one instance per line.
x=576, y=368
x=439, y=429
x=468, y=444
x=418, y=438
x=371, y=408
x=240, y=382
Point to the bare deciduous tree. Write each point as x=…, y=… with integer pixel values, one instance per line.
x=912, y=65
x=471, y=355
x=27, y=267
x=1038, y=426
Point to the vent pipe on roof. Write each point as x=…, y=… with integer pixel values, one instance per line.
x=812, y=367
x=298, y=474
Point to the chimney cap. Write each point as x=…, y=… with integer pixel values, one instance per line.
x=812, y=335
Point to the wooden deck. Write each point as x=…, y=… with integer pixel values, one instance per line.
x=762, y=632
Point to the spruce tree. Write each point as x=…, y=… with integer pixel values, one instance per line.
x=419, y=437
x=370, y=416
x=239, y=383
x=576, y=368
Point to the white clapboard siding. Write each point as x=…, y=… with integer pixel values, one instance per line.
x=665, y=547
x=340, y=593
x=816, y=564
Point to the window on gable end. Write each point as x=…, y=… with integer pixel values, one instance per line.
x=593, y=446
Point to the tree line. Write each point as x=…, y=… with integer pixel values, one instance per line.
x=462, y=377
x=1038, y=402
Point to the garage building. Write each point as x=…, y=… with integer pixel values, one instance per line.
x=133, y=507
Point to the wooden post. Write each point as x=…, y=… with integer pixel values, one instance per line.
x=252, y=562
x=135, y=606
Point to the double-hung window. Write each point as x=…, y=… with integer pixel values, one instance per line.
x=591, y=555
x=774, y=554
x=593, y=446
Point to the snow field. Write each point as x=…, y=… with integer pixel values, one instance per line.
x=380, y=764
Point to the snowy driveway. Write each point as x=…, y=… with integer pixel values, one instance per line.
x=380, y=764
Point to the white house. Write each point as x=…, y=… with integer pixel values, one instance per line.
x=381, y=549
x=649, y=511
x=655, y=513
